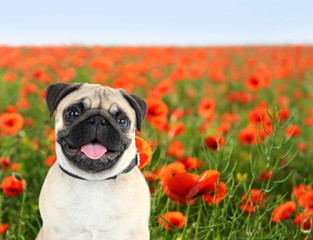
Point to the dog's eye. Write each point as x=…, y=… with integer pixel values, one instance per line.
x=123, y=122
x=71, y=114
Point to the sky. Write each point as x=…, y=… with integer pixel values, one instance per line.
x=158, y=22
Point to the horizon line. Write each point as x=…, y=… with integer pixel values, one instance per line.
x=158, y=45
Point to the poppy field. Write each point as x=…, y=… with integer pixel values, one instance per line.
x=226, y=146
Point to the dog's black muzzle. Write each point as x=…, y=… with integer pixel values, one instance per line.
x=98, y=129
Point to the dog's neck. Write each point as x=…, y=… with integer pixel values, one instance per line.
x=135, y=162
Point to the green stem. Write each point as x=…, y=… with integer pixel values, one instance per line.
x=1, y=198
x=21, y=215
x=187, y=215
x=167, y=209
x=198, y=222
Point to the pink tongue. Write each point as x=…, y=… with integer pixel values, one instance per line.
x=93, y=150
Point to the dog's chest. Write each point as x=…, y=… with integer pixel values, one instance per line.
x=97, y=204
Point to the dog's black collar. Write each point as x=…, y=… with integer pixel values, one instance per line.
x=135, y=162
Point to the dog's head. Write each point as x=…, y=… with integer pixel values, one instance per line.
x=95, y=128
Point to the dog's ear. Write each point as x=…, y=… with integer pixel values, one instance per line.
x=139, y=105
x=56, y=92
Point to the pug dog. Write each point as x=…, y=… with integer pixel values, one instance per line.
x=94, y=190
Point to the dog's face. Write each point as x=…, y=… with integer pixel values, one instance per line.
x=95, y=128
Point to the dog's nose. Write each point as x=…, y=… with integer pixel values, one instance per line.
x=97, y=120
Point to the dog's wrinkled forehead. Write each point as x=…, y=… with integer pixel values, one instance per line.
x=96, y=97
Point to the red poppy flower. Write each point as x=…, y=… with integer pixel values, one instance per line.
x=304, y=219
x=248, y=135
x=11, y=122
x=215, y=143
x=12, y=187
x=216, y=73
x=99, y=77
x=297, y=93
x=46, y=78
x=183, y=186
x=101, y=63
x=259, y=117
x=299, y=192
x=167, y=171
x=283, y=100
x=177, y=114
x=257, y=198
x=31, y=88
x=50, y=160
x=196, y=71
x=51, y=134
x=303, y=146
x=293, y=130
x=309, y=121
x=206, y=108
x=176, y=149
x=255, y=82
x=245, y=97
x=232, y=96
x=162, y=88
x=42, y=94
x=38, y=72
x=157, y=114
x=214, y=196
x=179, y=128
x=160, y=124
x=265, y=72
x=3, y=228
x=308, y=199
x=15, y=167
x=284, y=211
x=230, y=117
x=265, y=175
x=174, y=218
x=11, y=109
x=191, y=163
x=208, y=179
x=145, y=151
x=284, y=114
x=10, y=77
x=66, y=74
x=4, y=162
x=23, y=103
x=224, y=128
x=141, y=81
x=170, y=169
x=257, y=114
x=157, y=73
x=265, y=127
x=124, y=82
x=156, y=109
